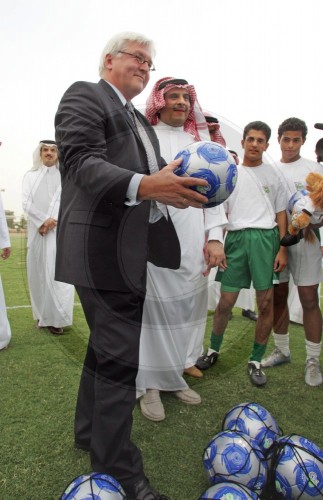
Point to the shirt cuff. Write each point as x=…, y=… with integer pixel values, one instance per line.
x=131, y=196
x=216, y=233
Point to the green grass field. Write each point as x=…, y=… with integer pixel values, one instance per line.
x=39, y=376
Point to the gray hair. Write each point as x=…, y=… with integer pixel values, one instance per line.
x=120, y=41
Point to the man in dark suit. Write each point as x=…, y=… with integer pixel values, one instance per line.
x=104, y=242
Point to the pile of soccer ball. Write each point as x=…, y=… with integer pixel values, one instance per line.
x=250, y=459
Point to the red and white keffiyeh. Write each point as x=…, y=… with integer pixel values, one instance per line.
x=213, y=123
x=195, y=123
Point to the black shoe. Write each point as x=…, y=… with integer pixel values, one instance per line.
x=291, y=239
x=249, y=314
x=256, y=375
x=143, y=491
x=206, y=360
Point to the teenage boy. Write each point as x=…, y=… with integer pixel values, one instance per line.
x=256, y=220
x=304, y=261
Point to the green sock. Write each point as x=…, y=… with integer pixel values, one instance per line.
x=258, y=352
x=216, y=341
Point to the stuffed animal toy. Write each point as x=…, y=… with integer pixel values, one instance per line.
x=307, y=210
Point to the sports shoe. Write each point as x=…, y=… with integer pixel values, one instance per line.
x=188, y=396
x=313, y=375
x=142, y=490
x=257, y=376
x=193, y=371
x=206, y=360
x=275, y=358
x=247, y=313
x=151, y=406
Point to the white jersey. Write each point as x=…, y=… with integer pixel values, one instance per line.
x=304, y=259
x=258, y=196
x=293, y=174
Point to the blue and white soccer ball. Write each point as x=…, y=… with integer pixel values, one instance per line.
x=255, y=421
x=211, y=161
x=294, y=199
x=298, y=468
x=228, y=491
x=234, y=456
x=94, y=486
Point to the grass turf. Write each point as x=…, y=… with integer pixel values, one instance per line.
x=39, y=376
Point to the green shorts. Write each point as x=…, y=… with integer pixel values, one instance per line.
x=250, y=257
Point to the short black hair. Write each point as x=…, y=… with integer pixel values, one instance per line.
x=257, y=125
x=293, y=124
x=319, y=150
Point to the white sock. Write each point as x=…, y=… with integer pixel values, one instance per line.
x=313, y=350
x=282, y=343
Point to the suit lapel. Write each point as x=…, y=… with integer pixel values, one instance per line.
x=108, y=91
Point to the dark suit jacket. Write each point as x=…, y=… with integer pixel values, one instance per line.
x=101, y=242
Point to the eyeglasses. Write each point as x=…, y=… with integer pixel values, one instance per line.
x=139, y=59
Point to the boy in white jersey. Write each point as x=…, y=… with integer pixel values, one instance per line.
x=304, y=262
x=256, y=222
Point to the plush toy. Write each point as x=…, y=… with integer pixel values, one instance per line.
x=307, y=210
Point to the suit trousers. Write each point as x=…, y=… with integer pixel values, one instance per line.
x=107, y=392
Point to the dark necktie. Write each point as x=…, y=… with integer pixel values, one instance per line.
x=157, y=209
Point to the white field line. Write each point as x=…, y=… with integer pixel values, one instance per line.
x=29, y=306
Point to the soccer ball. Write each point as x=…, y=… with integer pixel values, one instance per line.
x=234, y=456
x=94, y=486
x=254, y=420
x=210, y=161
x=298, y=468
x=296, y=196
x=228, y=491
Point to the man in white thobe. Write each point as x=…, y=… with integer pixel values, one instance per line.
x=5, y=331
x=175, y=308
x=52, y=301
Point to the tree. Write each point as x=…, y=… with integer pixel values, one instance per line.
x=10, y=218
x=23, y=222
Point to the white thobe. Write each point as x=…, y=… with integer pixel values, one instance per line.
x=5, y=330
x=52, y=301
x=175, y=308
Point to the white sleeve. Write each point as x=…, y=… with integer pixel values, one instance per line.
x=133, y=190
x=215, y=222
x=53, y=208
x=4, y=233
x=36, y=216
